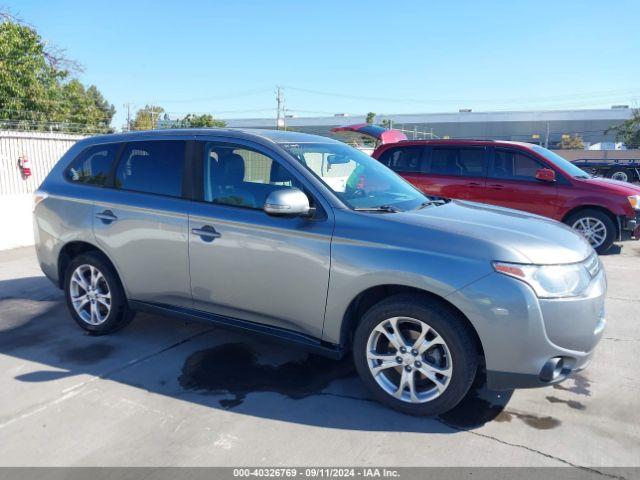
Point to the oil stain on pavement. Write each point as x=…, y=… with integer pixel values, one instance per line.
x=233, y=368
x=570, y=403
x=535, y=421
x=581, y=385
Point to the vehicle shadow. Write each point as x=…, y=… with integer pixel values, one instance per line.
x=199, y=363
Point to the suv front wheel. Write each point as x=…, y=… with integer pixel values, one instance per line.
x=596, y=226
x=415, y=355
x=95, y=297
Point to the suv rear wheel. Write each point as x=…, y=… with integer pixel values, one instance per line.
x=415, y=355
x=94, y=295
x=596, y=226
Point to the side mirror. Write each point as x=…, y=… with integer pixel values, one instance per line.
x=287, y=202
x=545, y=175
x=337, y=159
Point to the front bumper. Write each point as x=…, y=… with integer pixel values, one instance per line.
x=632, y=225
x=522, y=336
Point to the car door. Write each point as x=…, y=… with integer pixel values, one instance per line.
x=141, y=222
x=246, y=264
x=511, y=182
x=456, y=172
x=408, y=162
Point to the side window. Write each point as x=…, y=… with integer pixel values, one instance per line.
x=242, y=177
x=152, y=167
x=511, y=165
x=404, y=159
x=462, y=162
x=93, y=165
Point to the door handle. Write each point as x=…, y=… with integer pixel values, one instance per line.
x=496, y=186
x=474, y=184
x=107, y=216
x=207, y=233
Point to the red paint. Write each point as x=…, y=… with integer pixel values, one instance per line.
x=543, y=196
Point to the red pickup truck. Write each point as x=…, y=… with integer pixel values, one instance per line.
x=521, y=176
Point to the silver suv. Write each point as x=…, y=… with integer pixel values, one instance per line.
x=307, y=239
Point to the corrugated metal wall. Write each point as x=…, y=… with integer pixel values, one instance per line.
x=43, y=151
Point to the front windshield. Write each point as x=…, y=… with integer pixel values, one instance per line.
x=561, y=162
x=356, y=178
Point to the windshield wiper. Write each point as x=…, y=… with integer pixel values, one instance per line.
x=381, y=208
x=428, y=203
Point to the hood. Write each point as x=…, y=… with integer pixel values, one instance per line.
x=381, y=134
x=494, y=233
x=613, y=186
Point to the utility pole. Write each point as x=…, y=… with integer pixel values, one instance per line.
x=128, y=107
x=280, y=123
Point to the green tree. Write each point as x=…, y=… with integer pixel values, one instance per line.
x=628, y=132
x=37, y=90
x=198, y=121
x=371, y=116
x=147, y=118
x=29, y=84
x=386, y=123
x=84, y=109
x=573, y=142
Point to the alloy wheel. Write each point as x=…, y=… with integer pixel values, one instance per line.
x=592, y=229
x=90, y=294
x=409, y=359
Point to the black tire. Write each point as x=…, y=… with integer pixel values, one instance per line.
x=606, y=221
x=119, y=315
x=621, y=172
x=450, y=326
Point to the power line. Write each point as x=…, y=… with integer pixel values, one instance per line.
x=216, y=112
x=246, y=93
x=607, y=94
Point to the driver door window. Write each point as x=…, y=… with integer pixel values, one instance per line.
x=241, y=177
x=510, y=165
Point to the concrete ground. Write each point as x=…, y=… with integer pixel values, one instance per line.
x=169, y=392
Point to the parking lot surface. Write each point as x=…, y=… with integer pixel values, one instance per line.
x=172, y=392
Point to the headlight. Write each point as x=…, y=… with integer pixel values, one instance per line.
x=553, y=281
x=634, y=200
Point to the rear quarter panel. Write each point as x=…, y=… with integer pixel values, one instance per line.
x=66, y=215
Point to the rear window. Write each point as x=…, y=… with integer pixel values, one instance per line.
x=405, y=159
x=152, y=167
x=93, y=165
x=463, y=162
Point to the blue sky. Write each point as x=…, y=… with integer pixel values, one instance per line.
x=227, y=57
